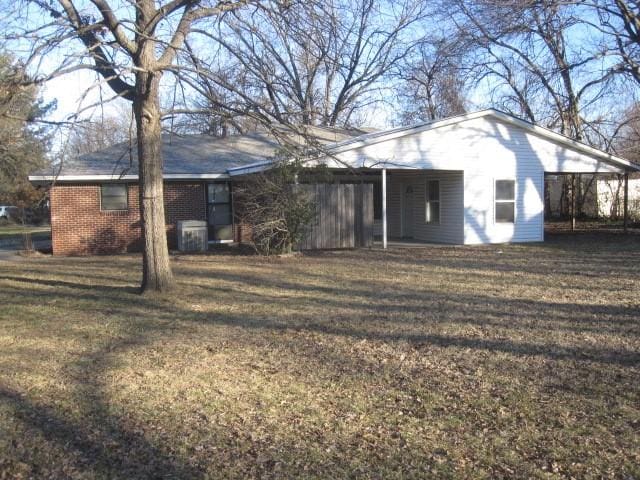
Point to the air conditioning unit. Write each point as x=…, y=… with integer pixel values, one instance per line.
x=192, y=236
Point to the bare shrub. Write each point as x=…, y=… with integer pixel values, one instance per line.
x=276, y=211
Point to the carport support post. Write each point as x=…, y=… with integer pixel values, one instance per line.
x=626, y=201
x=384, y=208
x=573, y=201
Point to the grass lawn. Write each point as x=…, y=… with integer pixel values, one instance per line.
x=9, y=232
x=517, y=361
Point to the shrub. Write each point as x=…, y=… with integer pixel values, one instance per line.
x=277, y=212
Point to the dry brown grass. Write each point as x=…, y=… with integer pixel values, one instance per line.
x=504, y=361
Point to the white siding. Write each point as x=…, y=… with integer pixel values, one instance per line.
x=485, y=149
x=610, y=197
x=451, y=226
x=485, y=142
x=479, y=209
x=394, y=192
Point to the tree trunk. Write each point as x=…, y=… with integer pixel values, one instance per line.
x=156, y=269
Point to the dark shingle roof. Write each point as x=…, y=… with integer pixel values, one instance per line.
x=187, y=155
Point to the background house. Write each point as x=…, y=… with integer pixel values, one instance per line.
x=597, y=196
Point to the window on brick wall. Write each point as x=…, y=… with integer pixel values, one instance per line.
x=220, y=211
x=113, y=196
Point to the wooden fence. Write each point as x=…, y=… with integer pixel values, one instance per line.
x=343, y=216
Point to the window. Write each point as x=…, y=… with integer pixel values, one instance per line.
x=505, y=195
x=113, y=196
x=219, y=211
x=432, y=196
x=377, y=200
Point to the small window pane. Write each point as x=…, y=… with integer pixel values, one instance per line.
x=218, y=192
x=113, y=196
x=433, y=201
x=115, y=189
x=377, y=200
x=434, y=212
x=220, y=214
x=505, y=190
x=434, y=190
x=505, y=212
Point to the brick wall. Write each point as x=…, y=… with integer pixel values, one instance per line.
x=79, y=227
x=242, y=232
x=183, y=201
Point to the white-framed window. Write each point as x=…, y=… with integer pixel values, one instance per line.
x=505, y=201
x=432, y=203
x=113, y=196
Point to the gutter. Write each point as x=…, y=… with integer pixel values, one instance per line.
x=247, y=169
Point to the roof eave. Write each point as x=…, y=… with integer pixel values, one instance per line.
x=45, y=179
x=249, y=169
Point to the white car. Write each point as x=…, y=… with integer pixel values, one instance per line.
x=7, y=211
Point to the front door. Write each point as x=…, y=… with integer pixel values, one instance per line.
x=407, y=212
x=219, y=213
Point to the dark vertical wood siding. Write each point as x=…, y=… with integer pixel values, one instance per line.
x=343, y=218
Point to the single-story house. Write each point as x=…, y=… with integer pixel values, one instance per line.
x=470, y=179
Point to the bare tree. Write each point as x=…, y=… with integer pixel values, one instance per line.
x=100, y=133
x=129, y=45
x=626, y=139
x=274, y=206
x=619, y=21
x=524, y=49
x=432, y=82
x=210, y=108
x=313, y=63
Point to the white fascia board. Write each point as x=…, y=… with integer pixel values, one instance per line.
x=247, y=169
x=383, y=136
x=120, y=178
x=194, y=176
x=80, y=178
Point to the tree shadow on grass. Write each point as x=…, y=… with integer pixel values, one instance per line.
x=105, y=444
x=97, y=444
x=477, y=309
x=95, y=441
x=480, y=310
x=105, y=290
x=91, y=440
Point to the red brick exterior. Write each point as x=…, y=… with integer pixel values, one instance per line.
x=242, y=232
x=79, y=227
x=183, y=201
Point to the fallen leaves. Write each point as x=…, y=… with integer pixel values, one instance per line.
x=448, y=362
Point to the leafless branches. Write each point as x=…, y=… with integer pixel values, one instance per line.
x=537, y=59
x=432, y=82
x=312, y=63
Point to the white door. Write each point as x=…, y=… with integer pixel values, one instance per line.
x=407, y=212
